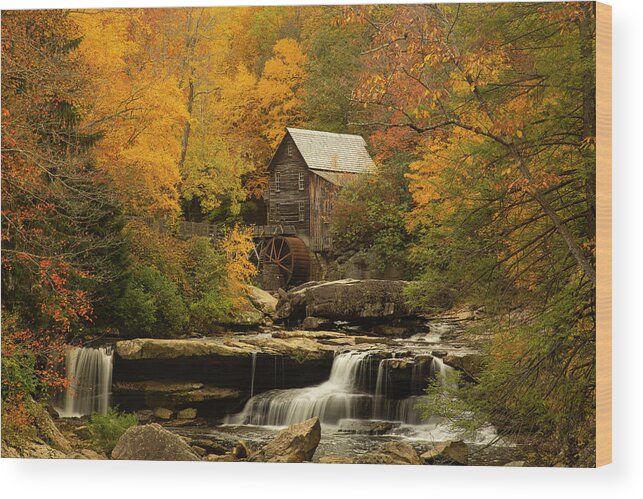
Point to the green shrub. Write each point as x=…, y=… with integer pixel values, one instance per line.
x=151, y=305
x=369, y=217
x=160, y=251
x=205, y=266
x=207, y=312
x=105, y=429
x=160, y=299
x=211, y=298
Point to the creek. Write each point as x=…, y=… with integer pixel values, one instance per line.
x=364, y=394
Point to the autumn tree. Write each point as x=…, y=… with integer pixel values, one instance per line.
x=137, y=102
x=280, y=89
x=61, y=248
x=254, y=110
x=334, y=65
x=211, y=55
x=500, y=100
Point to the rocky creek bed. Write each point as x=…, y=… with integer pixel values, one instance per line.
x=348, y=354
x=247, y=387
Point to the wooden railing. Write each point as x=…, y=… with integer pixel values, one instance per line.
x=186, y=230
x=181, y=228
x=274, y=230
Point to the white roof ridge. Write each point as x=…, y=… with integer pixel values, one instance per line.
x=324, y=132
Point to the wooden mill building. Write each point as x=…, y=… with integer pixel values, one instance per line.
x=306, y=172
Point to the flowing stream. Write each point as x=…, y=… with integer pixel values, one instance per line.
x=371, y=396
x=349, y=393
x=89, y=371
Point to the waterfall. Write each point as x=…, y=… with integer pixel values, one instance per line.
x=335, y=399
x=252, y=377
x=382, y=378
x=381, y=389
x=347, y=394
x=89, y=371
x=392, y=409
x=443, y=373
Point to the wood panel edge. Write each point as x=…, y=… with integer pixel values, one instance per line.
x=604, y=234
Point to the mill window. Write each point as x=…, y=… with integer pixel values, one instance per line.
x=289, y=149
x=301, y=181
x=277, y=210
x=301, y=211
x=277, y=183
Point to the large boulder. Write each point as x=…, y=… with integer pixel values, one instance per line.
x=46, y=429
x=389, y=453
x=364, y=427
x=449, y=452
x=262, y=300
x=245, y=318
x=152, y=442
x=470, y=363
x=346, y=300
x=295, y=444
x=393, y=453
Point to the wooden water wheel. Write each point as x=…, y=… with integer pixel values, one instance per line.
x=290, y=255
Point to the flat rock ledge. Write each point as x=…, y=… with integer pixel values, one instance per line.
x=174, y=392
x=296, y=344
x=161, y=349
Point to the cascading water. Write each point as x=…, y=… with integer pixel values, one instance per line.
x=381, y=388
x=443, y=373
x=349, y=393
x=252, y=377
x=404, y=409
x=331, y=401
x=89, y=371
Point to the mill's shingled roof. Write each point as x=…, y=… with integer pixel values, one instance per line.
x=332, y=152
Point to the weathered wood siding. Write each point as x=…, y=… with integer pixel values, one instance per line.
x=287, y=203
x=322, y=197
x=300, y=198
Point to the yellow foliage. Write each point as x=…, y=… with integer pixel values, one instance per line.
x=137, y=105
x=280, y=90
x=238, y=246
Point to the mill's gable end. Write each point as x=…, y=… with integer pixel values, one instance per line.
x=286, y=152
x=288, y=200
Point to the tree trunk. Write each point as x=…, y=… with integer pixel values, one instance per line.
x=186, y=127
x=560, y=226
